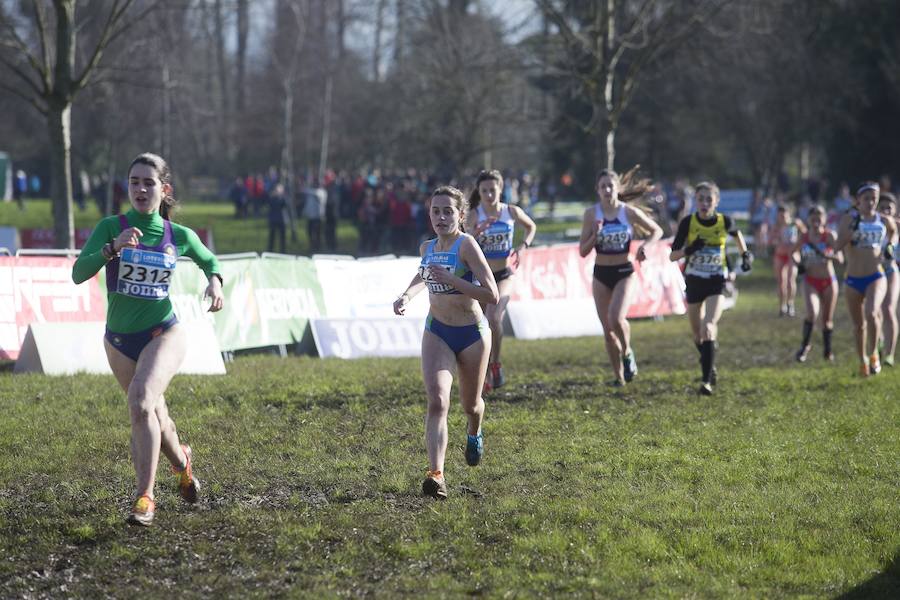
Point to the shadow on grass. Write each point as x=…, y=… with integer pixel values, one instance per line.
x=884, y=585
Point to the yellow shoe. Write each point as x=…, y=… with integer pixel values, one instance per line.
x=874, y=364
x=142, y=512
x=188, y=485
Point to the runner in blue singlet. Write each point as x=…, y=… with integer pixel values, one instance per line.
x=861, y=235
x=456, y=337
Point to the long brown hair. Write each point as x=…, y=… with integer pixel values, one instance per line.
x=458, y=200
x=492, y=175
x=631, y=187
x=169, y=204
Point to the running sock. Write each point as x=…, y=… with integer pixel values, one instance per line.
x=807, y=333
x=707, y=358
x=826, y=340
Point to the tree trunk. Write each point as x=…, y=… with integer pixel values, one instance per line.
x=59, y=125
x=243, y=28
x=341, y=31
x=611, y=144
x=326, y=127
x=59, y=119
x=225, y=119
x=376, y=49
x=399, y=41
x=287, y=154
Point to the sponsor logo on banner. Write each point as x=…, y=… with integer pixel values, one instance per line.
x=41, y=290
x=356, y=338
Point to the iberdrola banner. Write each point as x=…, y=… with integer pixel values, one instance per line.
x=268, y=302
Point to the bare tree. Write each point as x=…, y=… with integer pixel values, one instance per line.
x=45, y=67
x=604, y=47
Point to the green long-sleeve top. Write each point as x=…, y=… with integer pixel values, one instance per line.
x=124, y=313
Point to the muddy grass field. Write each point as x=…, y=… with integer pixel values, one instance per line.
x=784, y=484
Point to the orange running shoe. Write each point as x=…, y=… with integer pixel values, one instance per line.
x=434, y=485
x=188, y=485
x=142, y=512
x=863, y=370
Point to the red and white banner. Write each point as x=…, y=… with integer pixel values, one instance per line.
x=40, y=290
x=559, y=272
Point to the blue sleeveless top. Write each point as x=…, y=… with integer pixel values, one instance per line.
x=496, y=241
x=448, y=260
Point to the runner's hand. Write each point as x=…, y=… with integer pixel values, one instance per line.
x=129, y=238
x=695, y=245
x=441, y=275
x=746, y=261
x=214, y=292
x=400, y=304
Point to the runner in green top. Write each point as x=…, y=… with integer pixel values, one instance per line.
x=144, y=343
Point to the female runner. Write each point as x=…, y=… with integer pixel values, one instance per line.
x=863, y=233
x=785, y=233
x=887, y=207
x=701, y=240
x=493, y=223
x=456, y=336
x=144, y=343
x=608, y=228
x=820, y=286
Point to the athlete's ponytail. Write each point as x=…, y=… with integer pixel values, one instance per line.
x=630, y=186
x=168, y=205
x=475, y=196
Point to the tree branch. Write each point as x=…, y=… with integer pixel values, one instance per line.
x=23, y=75
x=110, y=34
x=16, y=42
x=42, y=34
x=35, y=101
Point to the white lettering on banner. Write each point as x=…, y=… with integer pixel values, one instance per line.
x=353, y=338
x=189, y=307
x=280, y=303
x=33, y=284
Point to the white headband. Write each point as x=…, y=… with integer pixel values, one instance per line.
x=868, y=186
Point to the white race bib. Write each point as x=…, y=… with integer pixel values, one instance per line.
x=145, y=274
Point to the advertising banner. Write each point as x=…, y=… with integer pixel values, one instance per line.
x=368, y=287
x=40, y=290
x=268, y=302
x=542, y=319
x=559, y=272
x=355, y=338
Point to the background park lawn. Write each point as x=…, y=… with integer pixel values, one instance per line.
x=784, y=484
x=249, y=234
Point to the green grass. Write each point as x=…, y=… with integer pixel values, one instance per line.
x=230, y=235
x=784, y=484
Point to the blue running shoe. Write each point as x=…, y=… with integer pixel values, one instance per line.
x=474, y=448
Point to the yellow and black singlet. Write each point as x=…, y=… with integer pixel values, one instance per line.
x=708, y=261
